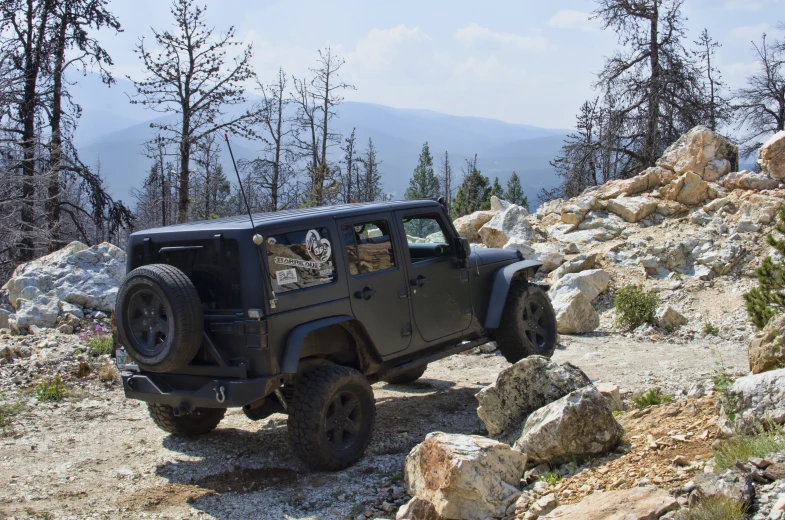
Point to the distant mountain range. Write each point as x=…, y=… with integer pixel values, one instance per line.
x=113, y=131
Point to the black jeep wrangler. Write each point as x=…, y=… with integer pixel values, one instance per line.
x=301, y=312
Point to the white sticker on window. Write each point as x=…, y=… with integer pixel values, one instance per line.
x=285, y=276
x=318, y=248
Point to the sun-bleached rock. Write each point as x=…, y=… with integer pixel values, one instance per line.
x=498, y=204
x=611, y=394
x=670, y=317
x=689, y=189
x=571, y=297
x=771, y=157
x=766, y=351
x=638, y=503
x=753, y=402
x=464, y=477
x=522, y=388
x=747, y=180
x=578, y=425
x=591, y=283
x=505, y=225
x=575, y=265
x=632, y=209
x=469, y=225
x=760, y=209
x=706, y=153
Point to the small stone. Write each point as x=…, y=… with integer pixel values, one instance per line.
x=760, y=463
x=680, y=460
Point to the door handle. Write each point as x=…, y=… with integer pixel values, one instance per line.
x=419, y=281
x=365, y=294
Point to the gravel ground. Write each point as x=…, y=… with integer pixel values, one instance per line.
x=96, y=455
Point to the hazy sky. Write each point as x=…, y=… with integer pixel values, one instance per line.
x=521, y=61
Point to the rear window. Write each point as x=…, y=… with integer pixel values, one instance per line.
x=300, y=259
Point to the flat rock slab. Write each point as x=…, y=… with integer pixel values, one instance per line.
x=641, y=503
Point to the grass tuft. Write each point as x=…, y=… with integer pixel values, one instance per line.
x=51, y=391
x=551, y=477
x=710, y=329
x=99, y=345
x=742, y=447
x=7, y=413
x=635, y=306
x=713, y=508
x=653, y=397
x=107, y=372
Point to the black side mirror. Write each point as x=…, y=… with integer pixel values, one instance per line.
x=462, y=248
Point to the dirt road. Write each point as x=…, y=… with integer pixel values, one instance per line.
x=96, y=455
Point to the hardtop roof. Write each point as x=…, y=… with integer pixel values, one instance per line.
x=292, y=216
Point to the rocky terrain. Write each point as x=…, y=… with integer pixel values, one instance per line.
x=476, y=437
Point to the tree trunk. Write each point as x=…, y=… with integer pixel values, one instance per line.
x=650, y=146
x=56, y=145
x=184, y=180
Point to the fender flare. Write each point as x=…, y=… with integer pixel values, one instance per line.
x=501, y=286
x=294, y=343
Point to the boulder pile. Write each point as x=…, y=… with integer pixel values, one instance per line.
x=58, y=289
x=692, y=218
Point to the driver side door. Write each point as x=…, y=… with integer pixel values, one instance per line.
x=439, y=284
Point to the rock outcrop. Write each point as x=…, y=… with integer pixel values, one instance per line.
x=507, y=224
x=703, y=152
x=463, y=477
x=772, y=156
x=469, y=226
x=522, y=388
x=754, y=402
x=82, y=276
x=766, y=351
x=578, y=425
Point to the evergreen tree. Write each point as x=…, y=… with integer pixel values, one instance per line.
x=474, y=193
x=496, y=189
x=768, y=299
x=514, y=193
x=424, y=184
x=369, y=181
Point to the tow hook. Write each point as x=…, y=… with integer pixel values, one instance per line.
x=183, y=409
x=220, y=394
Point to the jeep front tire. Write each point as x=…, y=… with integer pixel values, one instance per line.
x=197, y=422
x=528, y=324
x=331, y=417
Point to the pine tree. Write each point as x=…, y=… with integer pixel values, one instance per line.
x=424, y=184
x=514, y=193
x=369, y=181
x=768, y=299
x=474, y=194
x=496, y=189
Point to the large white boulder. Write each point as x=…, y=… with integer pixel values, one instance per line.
x=575, y=265
x=702, y=151
x=469, y=225
x=522, y=388
x=464, y=477
x=505, y=225
x=753, y=402
x=747, y=180
x=578, y=425
x=689, y=189
x=772, y=155
x=571, y=297
x=86, y=276
x=550, y=255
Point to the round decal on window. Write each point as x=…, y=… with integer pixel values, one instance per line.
x=272, y=241
x=318, y=248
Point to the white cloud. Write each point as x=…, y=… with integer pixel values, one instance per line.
x=749, y=33
x=747, y=5
x=569, y=19
x=379, y=48
x=474, y=34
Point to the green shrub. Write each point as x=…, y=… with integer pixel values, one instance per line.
x=551, y=477
x=634, y=306
x=718, y=507
x=742, y=447
x=710, y=329
x=53, y=390
x=7, y=412
x=653, y=397
x=768, y=298
x=100, y=345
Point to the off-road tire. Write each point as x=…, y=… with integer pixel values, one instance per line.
x=198, y=422
x=410, y=376
x=514, y=335
x=319, y=395
x=179, y=313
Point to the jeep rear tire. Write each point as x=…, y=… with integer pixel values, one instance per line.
x=331, y=417
x=528, y=324
x=198, y=422
x=410, y=376
x=159, y=317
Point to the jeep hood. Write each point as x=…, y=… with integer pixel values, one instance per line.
x=490, y=255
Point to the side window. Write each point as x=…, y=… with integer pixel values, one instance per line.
x=368, y=247
x=300, y=259
x=426, y=237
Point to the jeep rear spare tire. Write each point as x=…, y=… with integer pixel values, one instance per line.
x=331, y=417
x=159, y=317
x=528, y=324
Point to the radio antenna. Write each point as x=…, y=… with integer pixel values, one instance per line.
x=242, y=190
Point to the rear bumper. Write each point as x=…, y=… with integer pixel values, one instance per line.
x=204, y=393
